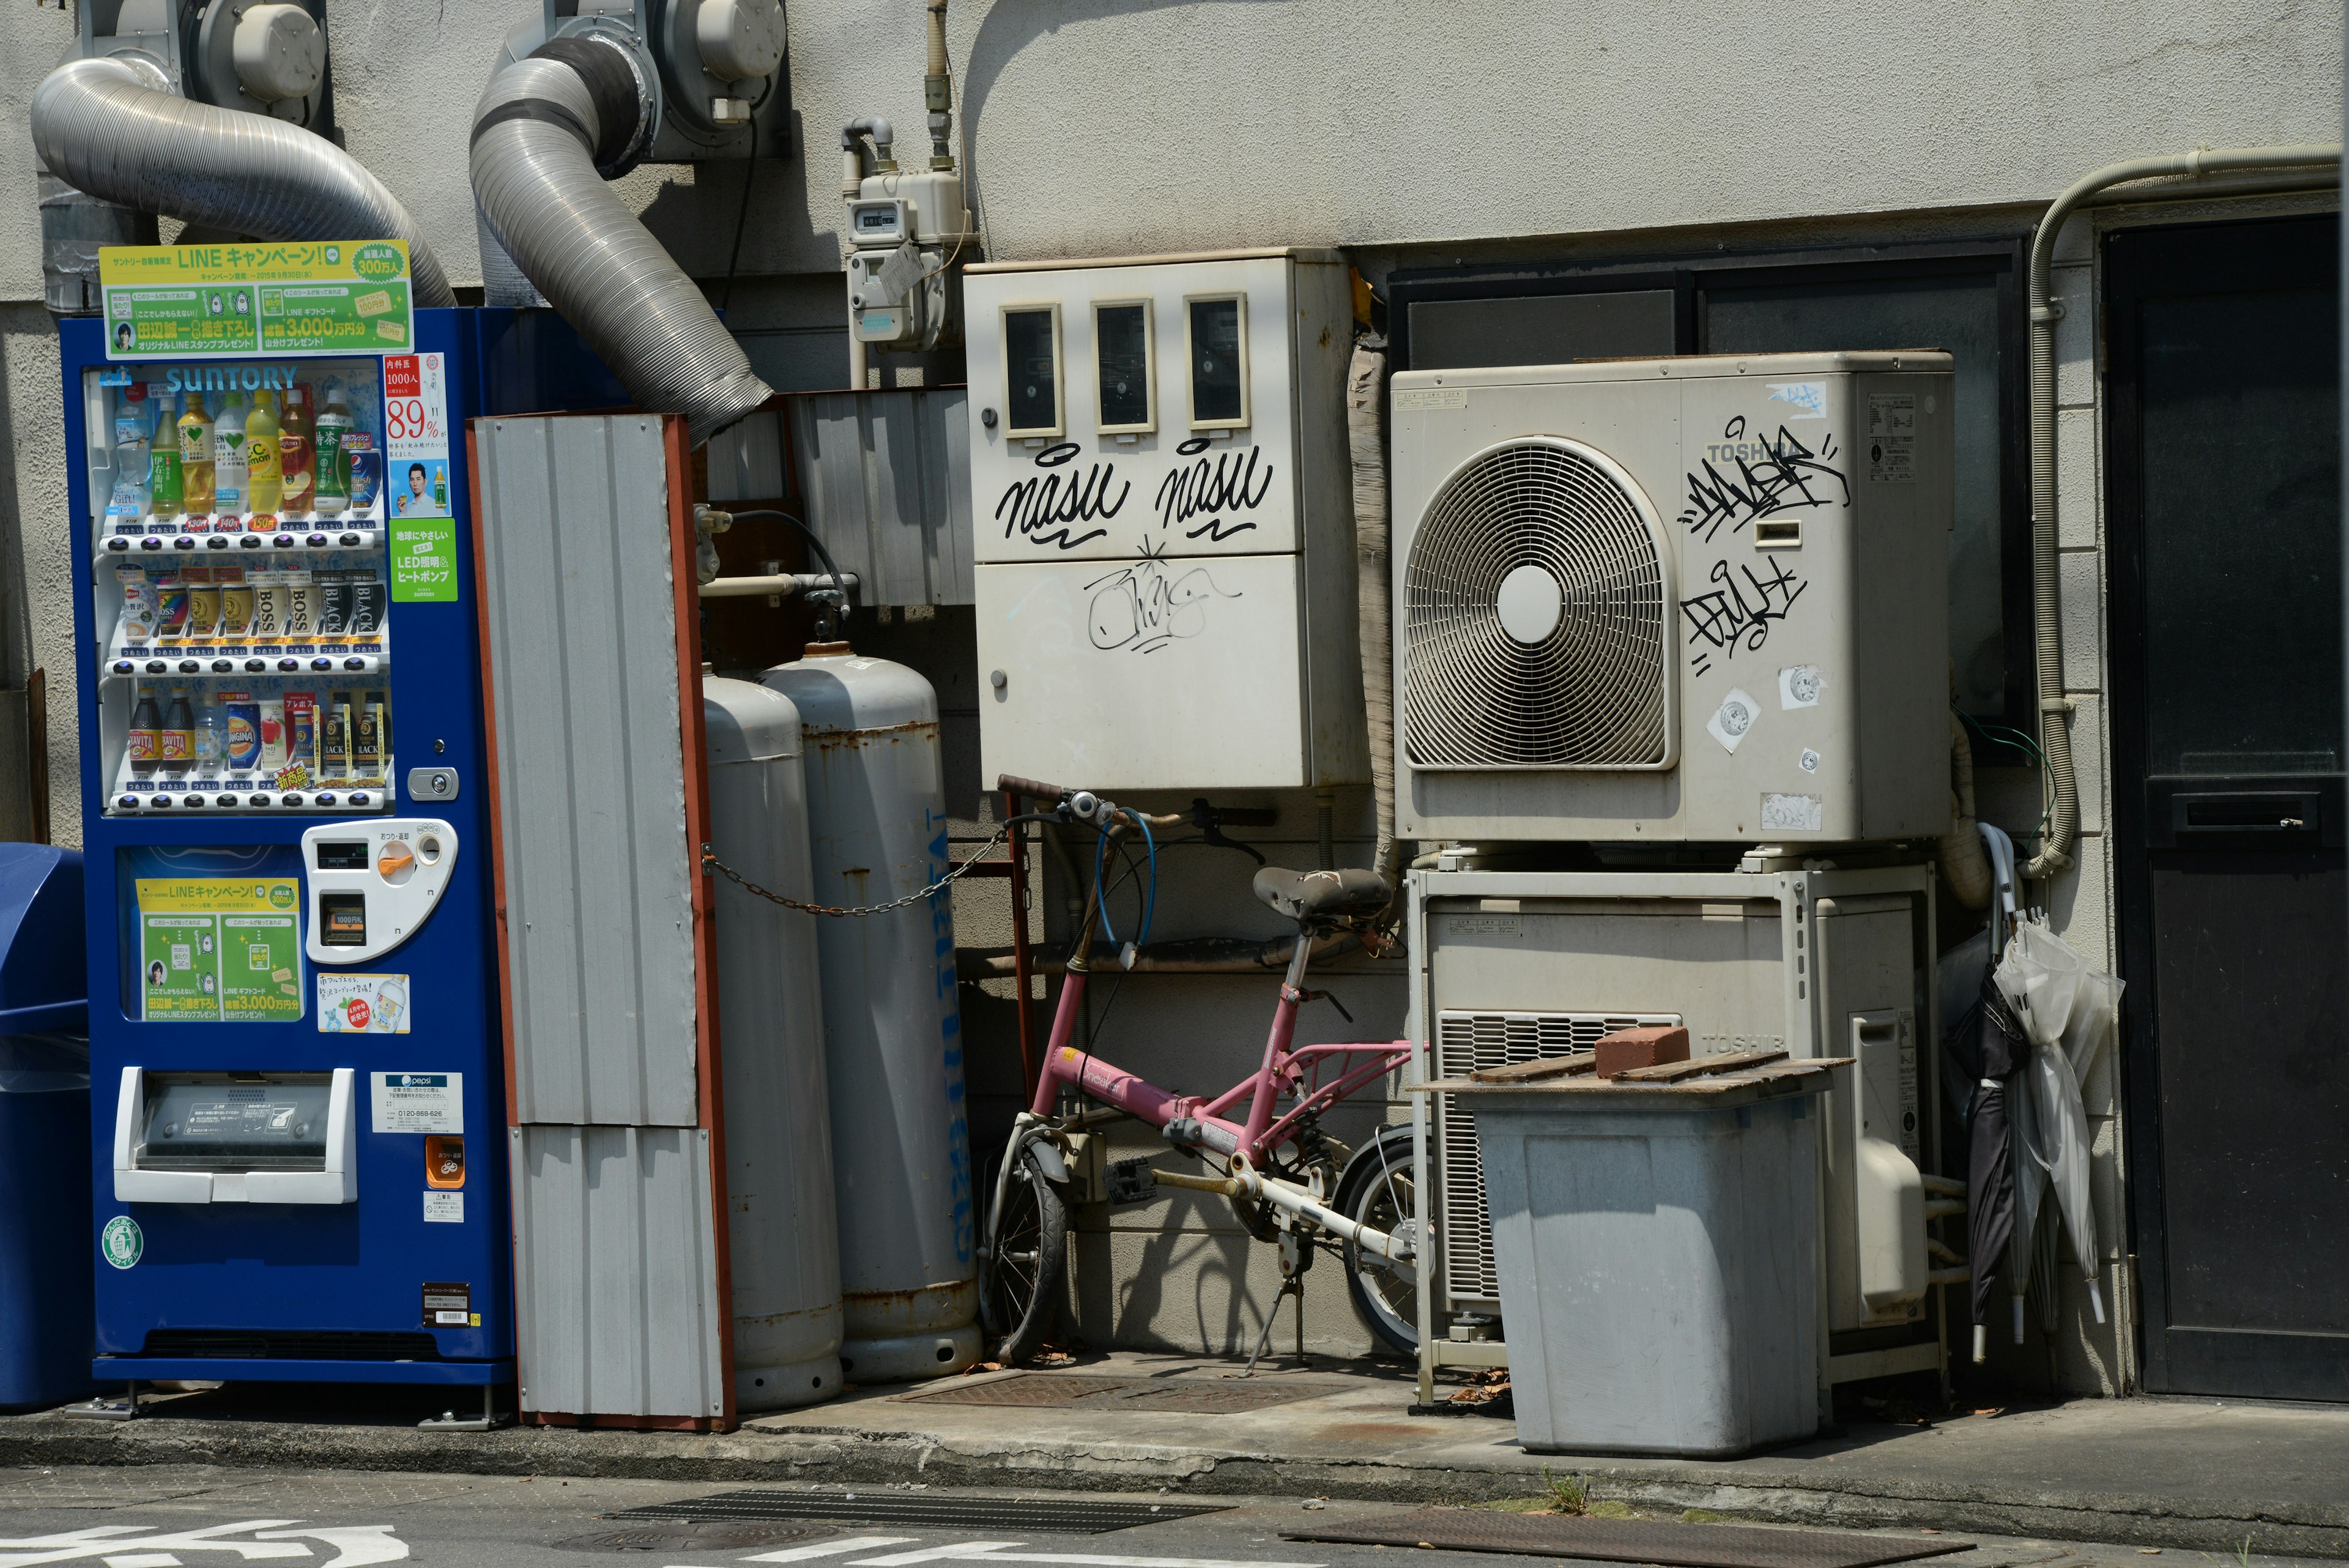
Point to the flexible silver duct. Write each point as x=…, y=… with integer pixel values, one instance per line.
x=536, y=139
x=105, y=128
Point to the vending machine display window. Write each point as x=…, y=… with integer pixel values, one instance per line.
x=243, y=532
x=211, y=933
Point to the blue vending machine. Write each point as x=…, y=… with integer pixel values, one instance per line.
x=297, y=1076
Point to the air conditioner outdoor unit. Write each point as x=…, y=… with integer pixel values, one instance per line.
x=1684, y=599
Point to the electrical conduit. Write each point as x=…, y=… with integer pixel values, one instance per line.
x=1366, y=387
x=109, y=129
x=543, y=129
x=2054, y=851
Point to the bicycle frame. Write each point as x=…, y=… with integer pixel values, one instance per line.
x=1285, y=1068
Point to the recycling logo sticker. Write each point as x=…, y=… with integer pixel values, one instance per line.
x=122, y=1242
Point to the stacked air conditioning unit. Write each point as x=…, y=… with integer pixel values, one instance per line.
x=1697, y=604
x=1674, y=599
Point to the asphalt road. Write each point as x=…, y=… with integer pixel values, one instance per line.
x=159, y=1517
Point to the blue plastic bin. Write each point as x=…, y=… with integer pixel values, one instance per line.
x=47, y=1251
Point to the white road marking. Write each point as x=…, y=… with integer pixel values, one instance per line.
x=143, y=1560
x=80, y=1545
x=831, y=1548
x=354, y=1545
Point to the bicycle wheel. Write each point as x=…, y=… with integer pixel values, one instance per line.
x=1027, y=1267
x=1379, y=1191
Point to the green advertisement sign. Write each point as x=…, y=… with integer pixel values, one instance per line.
x=319, y=297
x=423, y=560
x=220, y=949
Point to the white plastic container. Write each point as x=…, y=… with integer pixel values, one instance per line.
x=782, y=1235
x=893, y=1024
x=1658, y=1252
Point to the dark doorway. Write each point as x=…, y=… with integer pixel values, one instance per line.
x=2224, y=372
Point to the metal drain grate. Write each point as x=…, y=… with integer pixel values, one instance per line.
x=1075, y=1516
x=687, y=1536
x=1657, y=1541
x=1194, y=1396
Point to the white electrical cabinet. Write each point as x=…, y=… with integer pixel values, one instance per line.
x=1162, y=519
x=1699, y=599
x=1512, y=965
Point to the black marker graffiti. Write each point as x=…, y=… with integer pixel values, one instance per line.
x=1739, y=613
x=1214, y=492
x=1044, y=508
x=1142, y=608
x=1772, y=476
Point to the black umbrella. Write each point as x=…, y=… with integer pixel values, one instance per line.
x=1989, y=1044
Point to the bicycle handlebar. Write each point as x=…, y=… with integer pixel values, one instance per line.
x=1033, y=789
x=1083, y=804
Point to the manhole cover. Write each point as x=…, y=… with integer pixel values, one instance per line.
x=689, y=1535
x=1029, y=1388
x=1195, y=1394
x=1658, y=1541
x=1078, y=1516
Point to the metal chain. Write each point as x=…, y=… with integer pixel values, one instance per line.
x=711, y=861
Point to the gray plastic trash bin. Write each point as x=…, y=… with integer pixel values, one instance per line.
x=1658, y=1252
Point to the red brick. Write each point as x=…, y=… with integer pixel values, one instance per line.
x=1628, y=1048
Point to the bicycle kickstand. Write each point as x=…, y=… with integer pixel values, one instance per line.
x=1292, y=1283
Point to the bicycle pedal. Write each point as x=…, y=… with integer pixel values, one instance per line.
x=1130, y=1180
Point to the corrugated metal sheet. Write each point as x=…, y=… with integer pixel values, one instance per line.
x=580, y=605
x=615, y=1276
x=885, y=480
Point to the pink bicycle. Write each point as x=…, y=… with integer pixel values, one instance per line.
x=1288, y=1182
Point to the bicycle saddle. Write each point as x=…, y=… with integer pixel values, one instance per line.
x=1322, y=895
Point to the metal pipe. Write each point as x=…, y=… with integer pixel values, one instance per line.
x=782, y=584
x=546, y=134
x=2055, y=735
x=110, y=128
x=938, y=88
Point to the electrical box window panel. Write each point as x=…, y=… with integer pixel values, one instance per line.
x=1686, y=600
x=1815, y=964
x=244, y=577
x=1163, y=522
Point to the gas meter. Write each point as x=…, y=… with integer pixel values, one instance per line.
x=905, y=232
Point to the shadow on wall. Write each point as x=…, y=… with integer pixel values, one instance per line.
x=1208, y=1262
x=695, y=220
x=1005, y=30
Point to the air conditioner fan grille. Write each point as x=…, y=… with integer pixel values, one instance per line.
x=1590, y=692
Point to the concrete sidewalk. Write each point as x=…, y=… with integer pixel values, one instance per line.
x=2145, y=1472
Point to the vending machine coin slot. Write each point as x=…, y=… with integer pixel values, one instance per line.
x=342, y=920
x=372, y=894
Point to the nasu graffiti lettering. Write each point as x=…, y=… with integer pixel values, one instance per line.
x=1049, y=508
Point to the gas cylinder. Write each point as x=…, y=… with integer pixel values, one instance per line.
x=782, y=1225
x=892, y=1025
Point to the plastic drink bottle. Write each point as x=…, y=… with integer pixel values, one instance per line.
x=163, y=459
x=208, y=735
x=265, y=483
x=178, y=736
x=196, y=457
x=330, y=491
x=295, y=452
x=228, y=459
x=128, y=503
x=440, y=488
x=146, y=731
